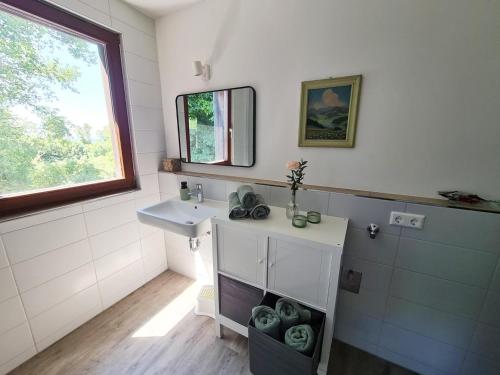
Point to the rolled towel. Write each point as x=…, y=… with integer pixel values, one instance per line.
x=261, y=210
x=291, y=313
x=235, y=209
x=301, y=338
x=266, y=320
x=247, y=196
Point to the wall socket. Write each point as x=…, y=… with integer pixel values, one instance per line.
x=404, y=219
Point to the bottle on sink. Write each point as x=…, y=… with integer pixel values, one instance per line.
x=184, y=191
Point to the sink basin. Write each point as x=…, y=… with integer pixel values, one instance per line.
x=182, y=217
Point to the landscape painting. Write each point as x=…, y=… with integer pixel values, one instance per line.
x=328, y=112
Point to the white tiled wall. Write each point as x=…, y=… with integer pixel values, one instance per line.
x=61, y=267
x=429, y=299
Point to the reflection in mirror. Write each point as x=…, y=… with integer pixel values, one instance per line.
x=217, y=127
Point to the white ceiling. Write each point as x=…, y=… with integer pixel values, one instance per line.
x=158, y=8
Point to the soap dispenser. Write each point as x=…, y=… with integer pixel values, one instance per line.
x=184, y=191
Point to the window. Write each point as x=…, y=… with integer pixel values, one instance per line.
x=64, y=132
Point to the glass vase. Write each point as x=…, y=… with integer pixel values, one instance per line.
x=292, y=208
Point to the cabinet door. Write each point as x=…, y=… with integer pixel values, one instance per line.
x=300, y=271
x=241, y=253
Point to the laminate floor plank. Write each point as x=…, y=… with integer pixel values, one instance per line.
x=119, y=341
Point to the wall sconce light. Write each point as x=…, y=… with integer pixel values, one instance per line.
x=202, y=70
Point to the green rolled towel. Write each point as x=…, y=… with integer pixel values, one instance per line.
x=300, y=338
x=247, y=196
x=266, y=320
x=235, y=209
x=291, y=313
x=261, y=210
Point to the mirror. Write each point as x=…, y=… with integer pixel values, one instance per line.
x=217, y=127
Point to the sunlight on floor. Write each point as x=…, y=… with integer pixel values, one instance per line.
x=166, y=319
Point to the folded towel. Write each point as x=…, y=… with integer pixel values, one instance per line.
x=261, y=210
x=247, y=196
x=291, y=313
x=266, y=320
x=235, y=209
x=300, y=338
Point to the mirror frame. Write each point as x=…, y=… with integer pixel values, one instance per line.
x=254, y=125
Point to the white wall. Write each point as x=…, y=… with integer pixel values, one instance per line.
x=61, y=267
x=429, y=110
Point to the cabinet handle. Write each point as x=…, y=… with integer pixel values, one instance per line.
x=261, y=260
x=271, y=264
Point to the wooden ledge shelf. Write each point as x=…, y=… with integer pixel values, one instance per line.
x=484, y=206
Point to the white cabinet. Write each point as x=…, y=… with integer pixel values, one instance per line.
x=271, y=255
x=300, y=271
x=241, y=253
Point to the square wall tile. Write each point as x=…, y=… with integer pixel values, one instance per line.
x=131, y=16
x=46, y=296
x=144, y=118
x=144, y=95
x=478, y=365
x=491, y=309
x=122, y=283
x=64, y=317
x=363, y=211
x=428, y=322
x=12, y=313
x=40, y=218
x=117, y=260
x=354, y=325
x=148, y=141
x=463, y=228
x=448, y=262
x=366, y=302
x=141, y=69
x=107, y=201
x=148, y=185
x=375, y=277
x=486, y=342
x=8, y=287
x=148, y=163
x=313, y=200
x=14, y=343
x=106, y=218
x=168, y=183
x=4, y=262
x=495, y=283
x=440, y=294
x=430, y=352
x=136, y=41
x=114, y=239
x=27, y=243
x=38, y=270
x=381, y=249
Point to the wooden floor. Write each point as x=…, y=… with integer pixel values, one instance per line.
x=110, y=343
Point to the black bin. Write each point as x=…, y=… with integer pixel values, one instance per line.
x=270, y=356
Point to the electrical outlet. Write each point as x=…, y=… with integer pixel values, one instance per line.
x=404, y=219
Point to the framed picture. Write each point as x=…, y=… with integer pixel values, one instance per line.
x=328, y=112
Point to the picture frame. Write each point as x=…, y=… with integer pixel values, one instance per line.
x=328, y=112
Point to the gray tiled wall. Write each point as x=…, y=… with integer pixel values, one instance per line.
x=429, y=299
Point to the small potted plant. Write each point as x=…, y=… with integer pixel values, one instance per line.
x=295, y=178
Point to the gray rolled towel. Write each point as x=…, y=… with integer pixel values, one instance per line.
x=247, y=196
x=235, y=209
x=261, y=210
x=266, y=320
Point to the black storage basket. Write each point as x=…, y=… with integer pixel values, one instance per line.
x=270, y=356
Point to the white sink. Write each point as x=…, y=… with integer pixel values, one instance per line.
x=187, y=218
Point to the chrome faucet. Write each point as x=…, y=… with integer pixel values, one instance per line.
x=198, y=191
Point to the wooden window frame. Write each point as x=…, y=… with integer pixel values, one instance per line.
x=58, y=18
